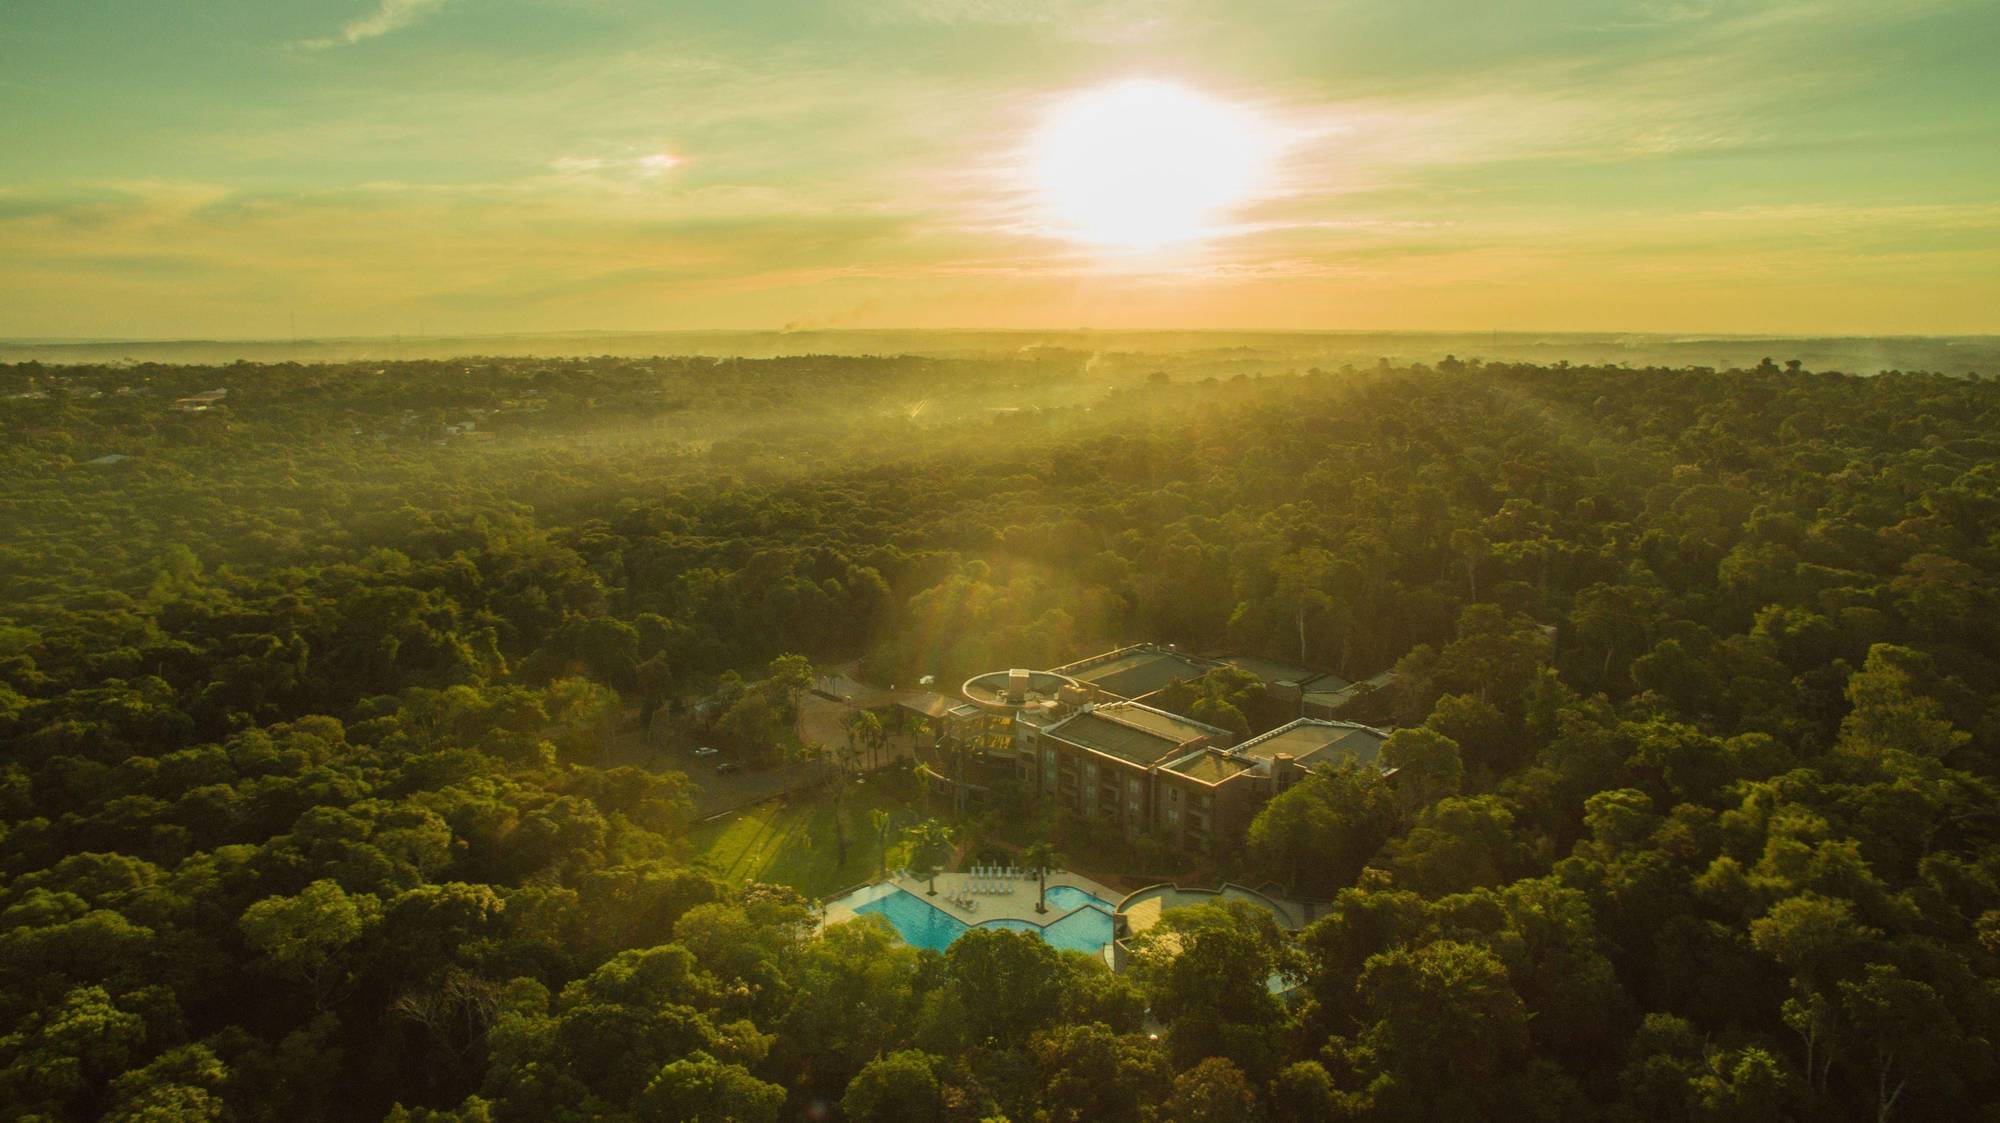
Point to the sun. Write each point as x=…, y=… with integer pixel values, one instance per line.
x=1141, y=165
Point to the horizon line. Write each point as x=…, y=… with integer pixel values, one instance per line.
x=1688, y=335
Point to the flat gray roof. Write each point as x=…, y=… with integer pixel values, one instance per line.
x=1312, y=742
x=1132, y=732
x=1115, y=738
x=1271, y=670
x=1142, y=672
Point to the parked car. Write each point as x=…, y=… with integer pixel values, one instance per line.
x=704, y=751
x=723, y=768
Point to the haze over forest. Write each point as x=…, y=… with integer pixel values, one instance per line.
x=1220, y=352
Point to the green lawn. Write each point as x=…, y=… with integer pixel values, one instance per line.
x=790, y=841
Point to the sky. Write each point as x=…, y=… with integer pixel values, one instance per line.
x=281, y=168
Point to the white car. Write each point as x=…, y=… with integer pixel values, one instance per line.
x=704, y=751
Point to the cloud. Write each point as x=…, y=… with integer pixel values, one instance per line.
x=646, y=166
x=392, y=15
x=1087, y=21
x=646, y=171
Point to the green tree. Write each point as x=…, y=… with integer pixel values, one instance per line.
x=1888, y=714
x=307, y=937
x=1302, y=1092
x=1458, y=844
x=1092, y=1075
x=1445, y=1026
x=1207, y=971
x=187, y=1083
x=701, y=1089
x=901, y=1087
x=1006, y=985
x=1317, y=835
x=1427, y=765
x=1213, y=1091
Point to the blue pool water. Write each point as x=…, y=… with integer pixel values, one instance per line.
x=1069, y=897
x=926, y=926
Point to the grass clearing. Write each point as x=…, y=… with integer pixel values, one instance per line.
x=791, y=840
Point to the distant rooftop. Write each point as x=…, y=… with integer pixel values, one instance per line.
x=1313, y=742
x=1271, y=670
x=1134, y=672
x=1332, y=690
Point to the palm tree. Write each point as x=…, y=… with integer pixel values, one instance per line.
x=879, y=819
x=864, y=730
x=931, y=837
x=1040, y=857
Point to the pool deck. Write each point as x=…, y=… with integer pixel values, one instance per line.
x=1143, y=908
x=1016, y=905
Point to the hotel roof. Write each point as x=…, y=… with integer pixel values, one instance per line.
x=1271, y=670
x=1131, y=732
x=1332, y=690
x=1210, y=766
x=1135, y=674
x=1312, y=742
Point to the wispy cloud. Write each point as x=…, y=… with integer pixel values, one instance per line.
x=391, y=15
x=1089, y=21
x=651, y=165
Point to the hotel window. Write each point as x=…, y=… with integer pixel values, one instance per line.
x=1173, y=816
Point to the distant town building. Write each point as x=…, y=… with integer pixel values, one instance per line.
x=199, y=403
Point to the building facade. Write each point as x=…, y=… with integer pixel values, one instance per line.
x=1084, y=737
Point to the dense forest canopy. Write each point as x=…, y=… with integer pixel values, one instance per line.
x=304, y=692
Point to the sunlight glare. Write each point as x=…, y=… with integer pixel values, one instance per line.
x=1143, y=164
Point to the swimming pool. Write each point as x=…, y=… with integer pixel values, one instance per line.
x=1069, y=897
x=1086, y=929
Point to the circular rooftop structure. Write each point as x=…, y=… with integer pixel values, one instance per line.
x=1006, y=691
